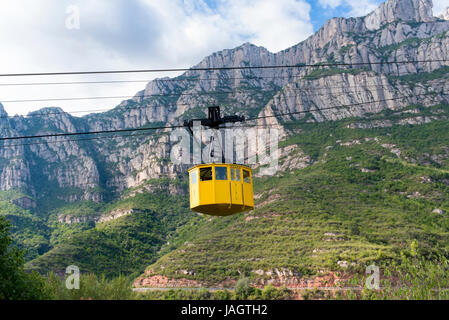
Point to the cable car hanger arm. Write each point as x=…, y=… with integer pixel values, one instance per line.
x=214, y=119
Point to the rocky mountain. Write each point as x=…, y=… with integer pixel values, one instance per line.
x=350, y=68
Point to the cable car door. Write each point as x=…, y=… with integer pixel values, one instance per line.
x=236, y=186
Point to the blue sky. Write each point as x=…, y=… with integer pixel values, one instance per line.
x=135, y=34
x=320, y=12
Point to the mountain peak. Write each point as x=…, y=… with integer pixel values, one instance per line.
x=247, y=45
x=2, y=111
x=48, y=110
x=395, y=10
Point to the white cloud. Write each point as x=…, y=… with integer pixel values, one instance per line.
x=135, y=34
x=357, y=8
x=272, y=24
x=330, y=3
x=361, y=8
x=439, y=6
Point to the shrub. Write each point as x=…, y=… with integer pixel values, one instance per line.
x=271, y=293
x=222, y=295
x=243, y=289
x=92, y=288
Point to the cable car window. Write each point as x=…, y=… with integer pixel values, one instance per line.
x=237, y=174
x=221, y=173
x=194, y=177
x=246, y=177
x=206, y=174
x=232, y=174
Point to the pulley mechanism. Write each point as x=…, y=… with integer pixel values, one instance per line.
x=214, y=119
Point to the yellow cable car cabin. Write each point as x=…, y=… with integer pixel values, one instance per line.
x=221, y=189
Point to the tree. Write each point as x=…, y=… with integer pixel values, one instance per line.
x=15, y=284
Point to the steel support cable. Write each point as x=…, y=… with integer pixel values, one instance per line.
x=182, y=126
x=298, y=65
x=179, y=104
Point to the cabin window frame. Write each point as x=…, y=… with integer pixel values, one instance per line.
x=221, y=171
x=248, y=177
x=194, y=176
x=202, y=176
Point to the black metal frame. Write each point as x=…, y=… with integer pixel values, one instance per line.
x=213, y=121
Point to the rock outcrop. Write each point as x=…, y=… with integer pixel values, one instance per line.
x=24, y=202
x=3, y=113
x=115, y=214
x=400, y=10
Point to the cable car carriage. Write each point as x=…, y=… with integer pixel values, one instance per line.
x=220, y=189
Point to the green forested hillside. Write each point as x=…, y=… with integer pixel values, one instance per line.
x=29, y=230
x=121, y=246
